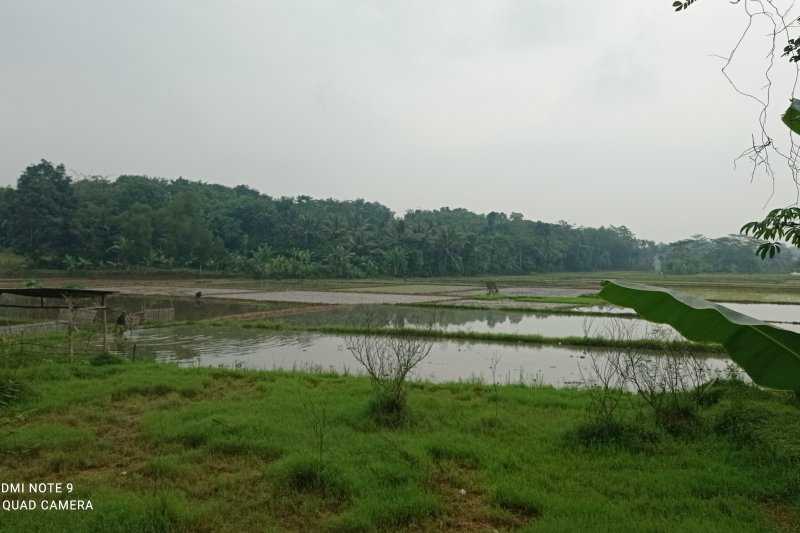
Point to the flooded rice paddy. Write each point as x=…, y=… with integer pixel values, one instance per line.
x=189, y=308
x=234, y=347
x=488, y=321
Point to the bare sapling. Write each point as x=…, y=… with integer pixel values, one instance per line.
x=671, y=381
x=318, y=413
x=494, y=363
x=603, y=372
x=388, y=361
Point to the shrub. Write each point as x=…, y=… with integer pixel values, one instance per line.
x=388, y=361
x=740, y=424
x=673, y=383
x=388, y=410
x=307, y=475
x=678, y=418
x=604, y=378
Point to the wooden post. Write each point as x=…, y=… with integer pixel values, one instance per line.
x=70, y=327
x=105, y=327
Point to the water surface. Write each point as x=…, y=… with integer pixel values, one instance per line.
x=773, y=312
x=185, y=308
x=234, y=347
x=488, y=321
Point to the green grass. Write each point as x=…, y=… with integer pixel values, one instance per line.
x=570, y=300
x=158, y=448
x=480, y=336
x=10, y=262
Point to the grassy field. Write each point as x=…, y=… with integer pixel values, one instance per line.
x=569, y=300
x=157, y=448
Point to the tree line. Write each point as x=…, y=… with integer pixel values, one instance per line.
x=143, y=222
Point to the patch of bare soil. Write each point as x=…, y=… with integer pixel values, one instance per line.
x=786, y=518
x=466, y=503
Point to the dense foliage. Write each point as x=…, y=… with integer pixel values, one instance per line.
x=781, y=224
x=138, y=221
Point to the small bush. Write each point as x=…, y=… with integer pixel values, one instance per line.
x=678, y=419
x=737, y=389
x=712, y=395
x=740, y=424
x=388, y=361
x=308, y=476
x=388, y=410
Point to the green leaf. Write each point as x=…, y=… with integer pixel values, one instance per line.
x=792, y=116
x=770, y=355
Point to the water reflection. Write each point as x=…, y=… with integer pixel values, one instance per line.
x=449, y=360
x=185, y=308
x=486, y=320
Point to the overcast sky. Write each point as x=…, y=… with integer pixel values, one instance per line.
x=596, y=113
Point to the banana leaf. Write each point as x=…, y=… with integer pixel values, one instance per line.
x=792, y=116
x=770, y=355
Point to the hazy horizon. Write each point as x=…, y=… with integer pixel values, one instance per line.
x=595, y=115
